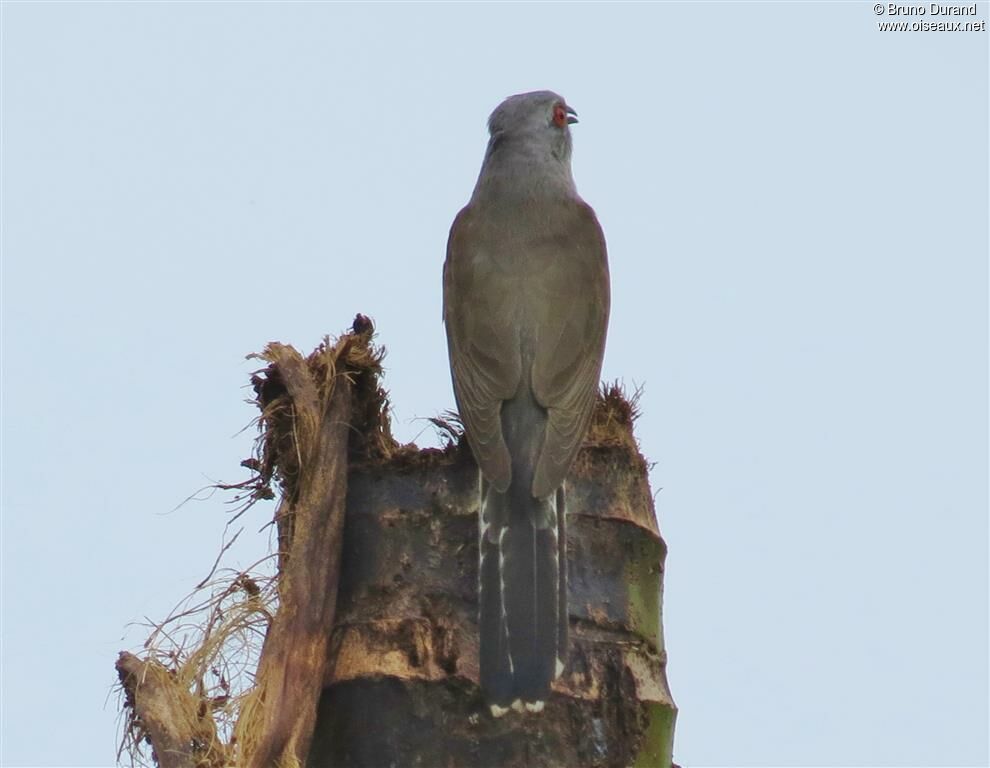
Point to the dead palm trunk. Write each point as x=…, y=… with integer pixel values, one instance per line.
x=393, y=568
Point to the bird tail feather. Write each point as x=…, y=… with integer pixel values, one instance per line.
x=523, y=594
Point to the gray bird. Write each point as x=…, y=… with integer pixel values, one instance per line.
x=526, y=303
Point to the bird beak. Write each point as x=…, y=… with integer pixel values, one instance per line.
x=572, y=116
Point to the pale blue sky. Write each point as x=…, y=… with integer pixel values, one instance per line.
x=796, y=210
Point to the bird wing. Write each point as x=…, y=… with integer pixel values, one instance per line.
x=482, y=342
x=571, y=343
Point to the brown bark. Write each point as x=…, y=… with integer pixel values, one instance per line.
x=309, y=402
x=167, y=713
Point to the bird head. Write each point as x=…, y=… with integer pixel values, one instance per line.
x=539, y=119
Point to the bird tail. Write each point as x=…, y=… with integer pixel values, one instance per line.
x=523, y=595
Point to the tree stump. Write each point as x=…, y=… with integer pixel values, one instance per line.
x=370, y=652
x=402, y=680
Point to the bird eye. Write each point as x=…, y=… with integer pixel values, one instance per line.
x=559, y=115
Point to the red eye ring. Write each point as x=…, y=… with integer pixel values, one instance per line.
x=559, y=115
